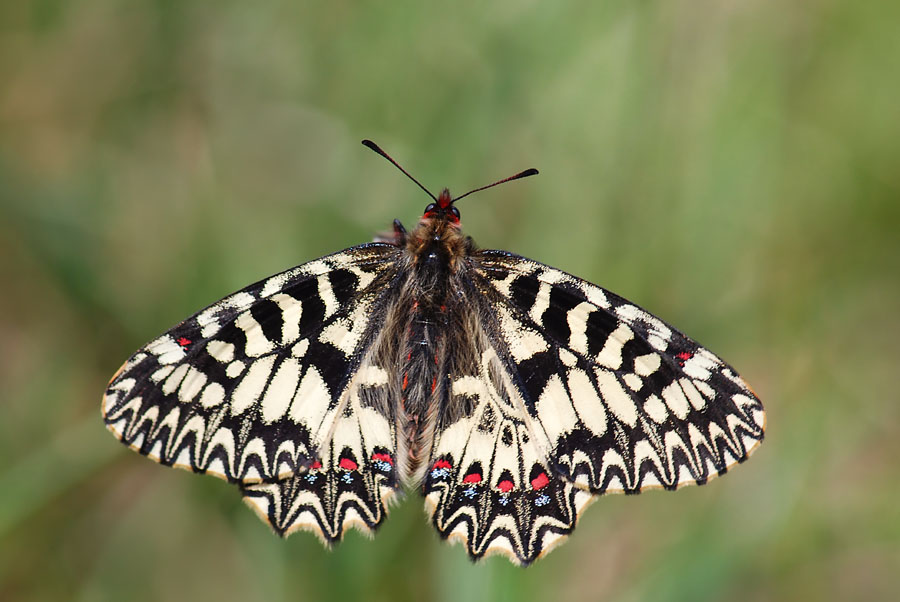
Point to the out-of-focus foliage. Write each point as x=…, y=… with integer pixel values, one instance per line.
x=731, y=166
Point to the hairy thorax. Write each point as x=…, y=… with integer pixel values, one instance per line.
x=438, y=244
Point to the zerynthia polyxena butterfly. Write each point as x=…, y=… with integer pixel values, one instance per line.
x=506, y=392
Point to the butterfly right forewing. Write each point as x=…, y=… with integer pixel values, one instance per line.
x=248, y=388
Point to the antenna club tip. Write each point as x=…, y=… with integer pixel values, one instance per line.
x=530, y=172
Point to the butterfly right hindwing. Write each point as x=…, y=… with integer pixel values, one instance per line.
x=357, y=474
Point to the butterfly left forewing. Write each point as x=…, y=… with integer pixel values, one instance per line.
x=627, y=401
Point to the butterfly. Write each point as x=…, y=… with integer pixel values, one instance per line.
x=508, y=393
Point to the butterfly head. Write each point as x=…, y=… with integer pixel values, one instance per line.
x=443, y=209
x=442, y=212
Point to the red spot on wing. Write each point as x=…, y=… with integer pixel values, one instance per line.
x=505, y=486
x=405, y=381
x=684, y=355
x=433, y=384
x=540, y=481
x=442, y=464
x=316, y=465
x=472, y=478
x=384, y=458
x=348, y=464
x=183, y=341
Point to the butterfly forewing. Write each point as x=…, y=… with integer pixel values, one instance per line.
x=251, y=387
x=626, y=400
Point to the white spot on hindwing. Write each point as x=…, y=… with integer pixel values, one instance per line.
x=567, y=357
x=166, y=350
x=299, y=350
x=193, y=381
x=161, y=373
x=705, y=389
x=657, y=342
x=633, y=381
x=212, y=395
x=692, y=394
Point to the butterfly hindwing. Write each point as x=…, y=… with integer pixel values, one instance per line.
x=355, y=477
x=491, y=484
x=626, y=401
x=248, y=389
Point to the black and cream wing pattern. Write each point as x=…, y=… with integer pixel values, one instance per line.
x=272, y=388
x=506, y=392
x=579, y=393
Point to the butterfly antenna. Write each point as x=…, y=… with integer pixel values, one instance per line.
x=378, y=150
x=522, y=174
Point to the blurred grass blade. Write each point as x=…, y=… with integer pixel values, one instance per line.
x=35, y=481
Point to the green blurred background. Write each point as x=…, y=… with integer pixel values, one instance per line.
x=732, y=166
